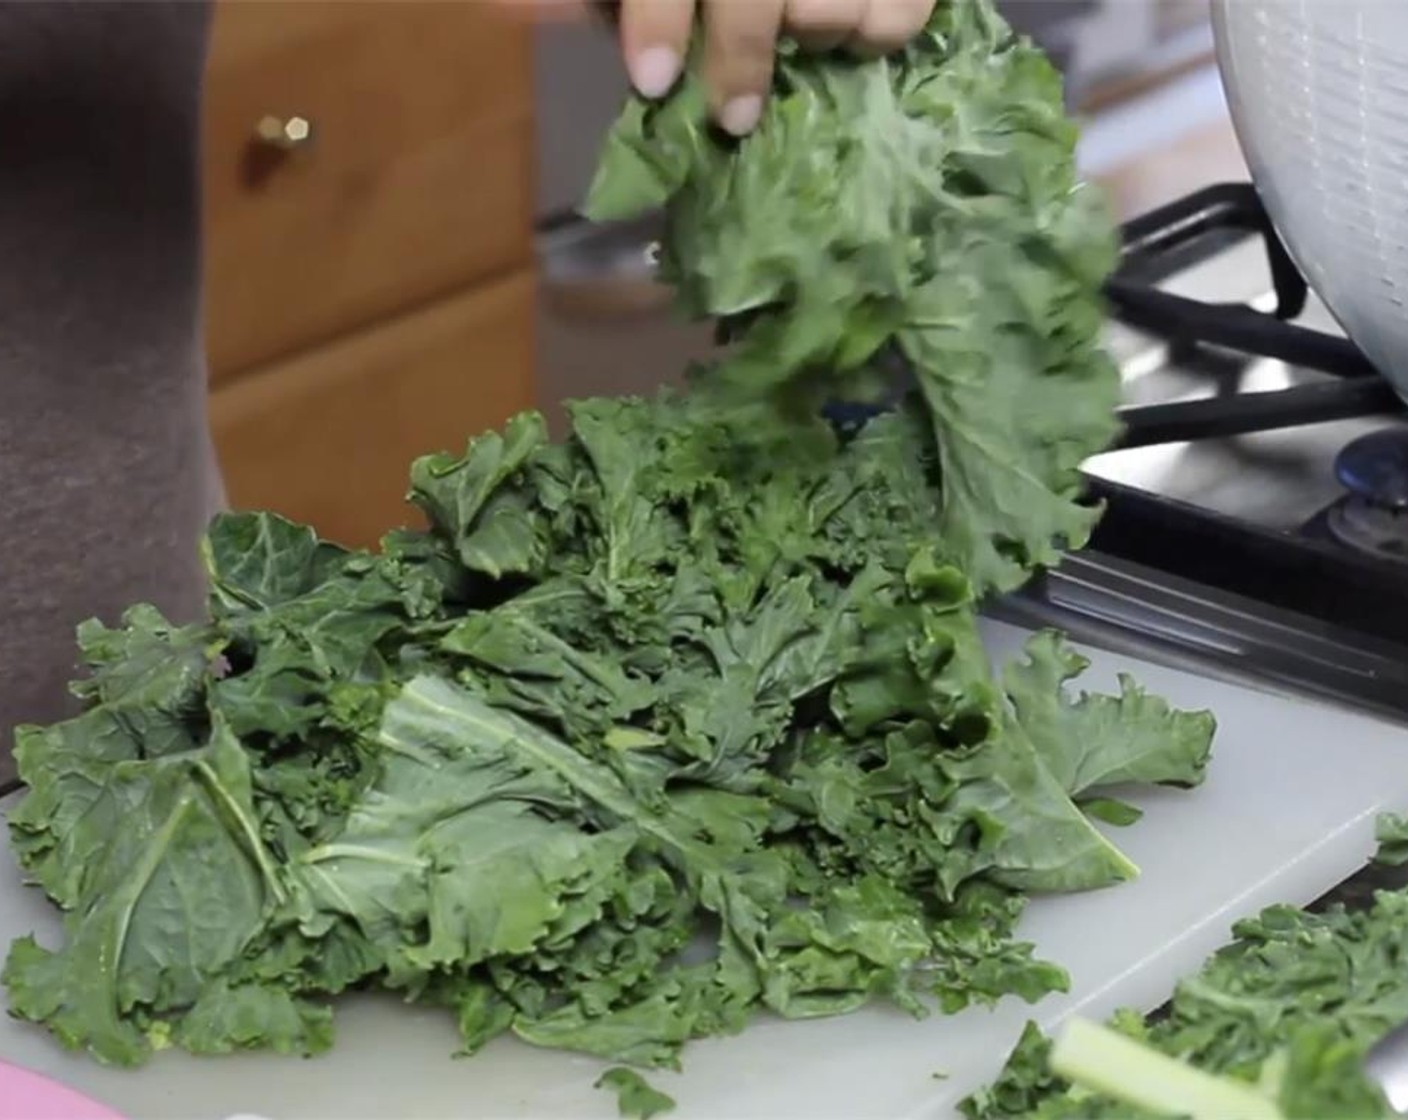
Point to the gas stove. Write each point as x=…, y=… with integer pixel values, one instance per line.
x=1257, y=505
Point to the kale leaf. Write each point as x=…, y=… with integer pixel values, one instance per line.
x=1292, y=1004
x=636, y=1098
x=1317, y=1074
x=925, y=204
x=1391, y=832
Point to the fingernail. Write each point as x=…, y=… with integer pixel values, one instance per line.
x=740, y=116
x=654, y=70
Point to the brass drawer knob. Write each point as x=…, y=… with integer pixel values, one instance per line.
x=285, y=133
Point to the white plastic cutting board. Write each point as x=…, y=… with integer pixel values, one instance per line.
x=1287, y=812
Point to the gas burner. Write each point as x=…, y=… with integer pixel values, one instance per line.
x=1367, y=527
x=1348, y=566
x=1374, y=469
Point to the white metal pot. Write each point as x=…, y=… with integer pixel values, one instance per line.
x=1318, y=91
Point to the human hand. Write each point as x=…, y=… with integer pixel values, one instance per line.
x=740, y=39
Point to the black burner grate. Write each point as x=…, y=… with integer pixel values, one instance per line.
x=1191, y=229
x=1308, y=573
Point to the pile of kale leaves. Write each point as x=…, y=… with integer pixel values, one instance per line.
x=1277, y=1024
x=704, y=670
x=1285, y=1014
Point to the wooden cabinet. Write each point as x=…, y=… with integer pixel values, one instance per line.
x=368, y=183
x=327, y=437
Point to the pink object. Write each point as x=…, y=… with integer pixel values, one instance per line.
x=27, y=1096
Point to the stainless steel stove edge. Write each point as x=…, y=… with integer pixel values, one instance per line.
x=1124, y=608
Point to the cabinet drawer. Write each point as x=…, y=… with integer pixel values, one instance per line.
x=328, y=437
x=415, y=180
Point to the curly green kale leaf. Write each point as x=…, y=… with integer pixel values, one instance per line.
x=1391, y=832
x=636, y=1098
x=926, y=204
x=1293, y=1004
